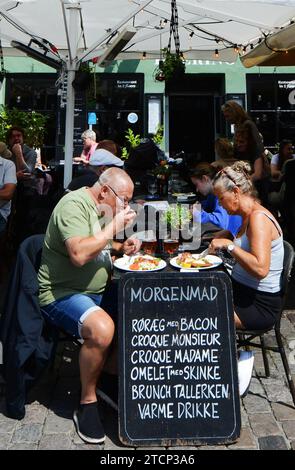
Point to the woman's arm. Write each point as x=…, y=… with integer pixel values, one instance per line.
x=258, y=169
x=257, y=261
x=276, y=174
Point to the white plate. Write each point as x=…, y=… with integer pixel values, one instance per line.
x=211, y=258
x=124, y=263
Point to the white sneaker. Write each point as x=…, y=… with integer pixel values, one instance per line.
x=245, y=368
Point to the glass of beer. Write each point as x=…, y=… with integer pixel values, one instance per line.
x=149, y=246
x=171, y=246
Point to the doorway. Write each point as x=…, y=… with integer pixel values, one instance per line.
x=192, y=126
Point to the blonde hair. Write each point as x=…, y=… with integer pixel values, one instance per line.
x=238, y=113
x=238, y=175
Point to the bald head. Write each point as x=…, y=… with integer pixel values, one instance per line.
x=116, y=177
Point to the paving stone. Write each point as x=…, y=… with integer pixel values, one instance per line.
x=6, y=419
x=289, y=429
x=283, y=412
x=35, y=414
x=221, y=447
x=113, y=444
x=246, y=441
x=55, y=424
x=55, y=442
x=264, y=424
x=244, y=417
x=4, y=441
x=23, y=446
x=277, y=391
x=256, y=387
x=8, y=426
x=27, y=433
x=272, y=443
x=88, y=447
x=254, y=404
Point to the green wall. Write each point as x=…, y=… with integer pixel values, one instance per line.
x=235, y=73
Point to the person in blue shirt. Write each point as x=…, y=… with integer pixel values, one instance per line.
x=211, y=211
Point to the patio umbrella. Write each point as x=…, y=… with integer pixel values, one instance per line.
x=275, y=50
x=65, y=32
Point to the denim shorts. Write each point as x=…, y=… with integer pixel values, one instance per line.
x=69, y=313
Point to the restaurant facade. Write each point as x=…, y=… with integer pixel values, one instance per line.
x=126, y=95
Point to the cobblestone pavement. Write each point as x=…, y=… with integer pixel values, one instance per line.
x=267, y=420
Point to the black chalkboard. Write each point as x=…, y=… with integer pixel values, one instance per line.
x=178, y=380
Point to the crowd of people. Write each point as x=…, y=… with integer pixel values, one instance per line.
x=80, y=238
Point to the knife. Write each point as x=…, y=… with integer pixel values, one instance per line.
x=202, y=254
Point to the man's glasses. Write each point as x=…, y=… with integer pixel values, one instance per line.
x=123, y=201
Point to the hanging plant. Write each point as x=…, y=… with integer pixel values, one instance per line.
x=172, y=67
x=83, y=76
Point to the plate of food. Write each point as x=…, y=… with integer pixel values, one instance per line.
x=188, y=260
x=142, y=263
x=184, y=196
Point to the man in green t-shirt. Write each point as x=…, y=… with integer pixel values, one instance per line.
x=74, y=271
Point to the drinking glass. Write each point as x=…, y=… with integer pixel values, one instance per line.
x=152, y=188
x=171, y=246
x=149, y=246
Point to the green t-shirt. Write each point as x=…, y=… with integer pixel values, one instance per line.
x=75, y=215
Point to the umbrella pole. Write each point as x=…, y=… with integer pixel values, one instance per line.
x=69, y=131
x=73, y=31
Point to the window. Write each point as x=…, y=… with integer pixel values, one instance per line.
x=28, y=92
x=270, y=106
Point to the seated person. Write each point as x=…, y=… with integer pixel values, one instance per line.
x=224, y=151
x=89, y=146
x=74, y=272
x=23, y=156
x=100, y=161
x=278, y=160
x=7, y=187
x=109, y=145
x=276, y=198
x=211, y=211
x=257, y=249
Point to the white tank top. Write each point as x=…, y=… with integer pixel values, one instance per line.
x=272, y=282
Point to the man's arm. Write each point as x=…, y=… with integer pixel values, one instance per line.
x=83, y=249
x=25, y=162
x=6, y=193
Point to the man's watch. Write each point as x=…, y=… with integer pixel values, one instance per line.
x=230, y=248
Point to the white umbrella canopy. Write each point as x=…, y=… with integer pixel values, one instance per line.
x=216, y=24
x=75, y=31
x=277, y=49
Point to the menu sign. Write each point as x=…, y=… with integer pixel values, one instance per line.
x=178, y=366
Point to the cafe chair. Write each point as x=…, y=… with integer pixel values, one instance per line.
x=29, y=343
x=246, y=338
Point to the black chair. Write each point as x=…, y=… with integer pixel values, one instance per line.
x=246, y=337
x=29, y=343
x=288, y=207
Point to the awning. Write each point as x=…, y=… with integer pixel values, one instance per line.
x=275, y=50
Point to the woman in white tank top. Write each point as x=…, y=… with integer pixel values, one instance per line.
x=257, y=249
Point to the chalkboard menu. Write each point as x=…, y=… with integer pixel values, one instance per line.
x=178, y=369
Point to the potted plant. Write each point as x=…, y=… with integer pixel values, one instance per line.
x=133, y=142
x=32, y=122
x=172, y=67
x=83, y=77
x=177, y=219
